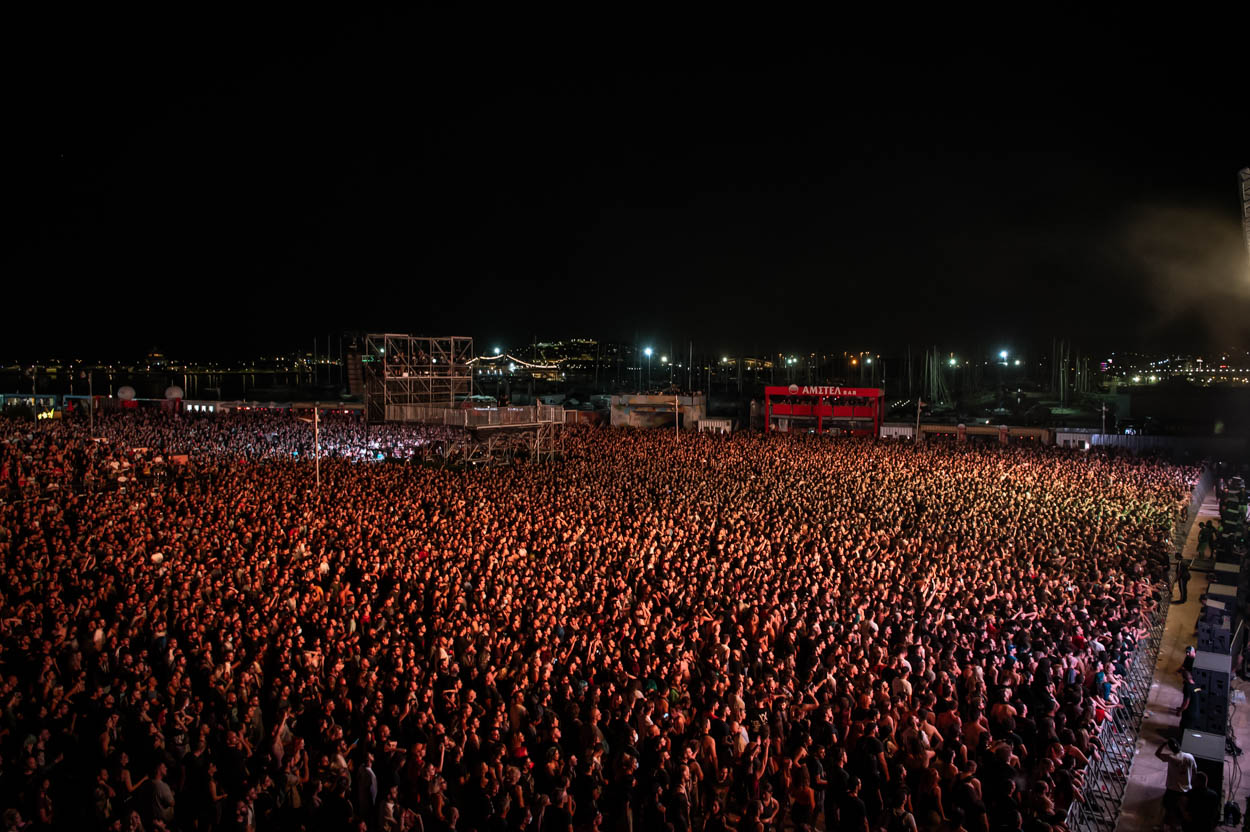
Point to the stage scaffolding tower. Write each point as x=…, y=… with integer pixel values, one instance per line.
x=1243, y=187
x=406, y=370
x=429, y=381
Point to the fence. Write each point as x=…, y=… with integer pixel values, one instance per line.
x=889, y=431
x=1106, y=777
x=474, y=417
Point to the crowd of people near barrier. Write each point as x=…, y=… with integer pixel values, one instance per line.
x=738, y=632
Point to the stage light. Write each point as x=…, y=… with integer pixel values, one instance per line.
x=497, y=350
x=952, y=362
x=1017, y=362
x=647, y=352
x=868, y=360
x=1003, y=355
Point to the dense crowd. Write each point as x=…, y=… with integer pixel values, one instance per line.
x=738, y=632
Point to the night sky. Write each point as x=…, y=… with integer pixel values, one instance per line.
x=221, y=186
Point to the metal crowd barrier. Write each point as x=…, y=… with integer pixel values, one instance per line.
x=1206, y=482
x=477, y=416
x=1106, y=778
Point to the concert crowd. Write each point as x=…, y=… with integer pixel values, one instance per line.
x=738, y=632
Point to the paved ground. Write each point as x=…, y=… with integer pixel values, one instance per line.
x=1142, y=809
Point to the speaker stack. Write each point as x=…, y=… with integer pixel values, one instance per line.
x=1208, y=723
x=1219, y=637
x=1208, y=751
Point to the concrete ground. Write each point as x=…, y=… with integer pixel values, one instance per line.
x=1142, y=807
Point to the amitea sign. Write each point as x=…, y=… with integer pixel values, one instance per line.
x=812, y=390
x=828, y=391
x=826, y=412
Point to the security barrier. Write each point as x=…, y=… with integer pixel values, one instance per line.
x=1107, y=776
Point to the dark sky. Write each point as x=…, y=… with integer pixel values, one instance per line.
x=216, y=186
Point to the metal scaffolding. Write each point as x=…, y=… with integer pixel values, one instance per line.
x=497, y=436
x=429, y=381
x=403, y=370
x=1243, y=187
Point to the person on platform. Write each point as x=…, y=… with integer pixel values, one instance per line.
x=1189, y=699
x=1181, y=770
x=1187, y=664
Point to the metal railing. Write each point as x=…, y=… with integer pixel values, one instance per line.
x=476, y=416
x=1203, y=487
x=1106, y=777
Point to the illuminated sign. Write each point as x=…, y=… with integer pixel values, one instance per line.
x=814, y=390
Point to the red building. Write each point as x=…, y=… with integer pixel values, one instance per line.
x=852, y=410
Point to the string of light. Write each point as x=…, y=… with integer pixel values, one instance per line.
x=513, y=359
